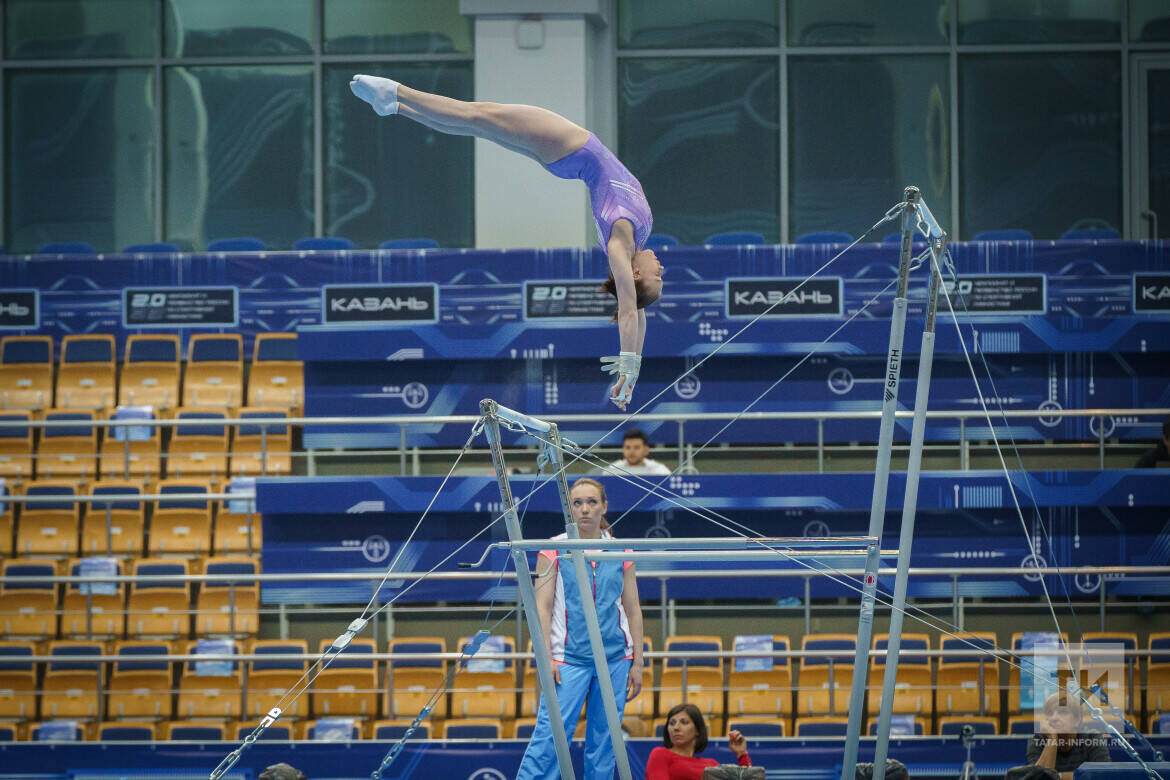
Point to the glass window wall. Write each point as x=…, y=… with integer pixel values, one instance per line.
x=1041, y=147
x=67, y=29
x=702, y=136
x=389, y=177
x=866, y=23
x=669, y=24
x=861, y=129
x=1149, y=20
x=79, y=157
x=225, y=28
x=401, y=27
x=1039, y=21
x=239, y=154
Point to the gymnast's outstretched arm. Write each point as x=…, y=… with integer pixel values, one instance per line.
x=631, y=321
x=535, y=132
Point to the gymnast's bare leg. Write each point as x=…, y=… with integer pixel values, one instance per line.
x=543, y=135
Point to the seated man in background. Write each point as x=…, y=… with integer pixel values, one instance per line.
x=1161, y=452
x=634, y=460
x=1062, y=743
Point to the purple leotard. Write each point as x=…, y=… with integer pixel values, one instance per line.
x=614, y=193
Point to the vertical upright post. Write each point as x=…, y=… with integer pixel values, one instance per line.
x=909, y=508
x=552, y=449
x=548, y=688
x=881, y=479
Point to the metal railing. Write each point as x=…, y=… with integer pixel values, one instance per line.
x=666, y=606
x=380, y=667
x=963, y=417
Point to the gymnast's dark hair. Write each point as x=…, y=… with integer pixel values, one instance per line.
x=696, y=717
x=643, y=296
x=1165, y=423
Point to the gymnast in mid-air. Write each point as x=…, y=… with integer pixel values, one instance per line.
x=568, y=151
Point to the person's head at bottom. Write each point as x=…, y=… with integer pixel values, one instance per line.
x=895, y=770
x=685, y=731
x=282, y=771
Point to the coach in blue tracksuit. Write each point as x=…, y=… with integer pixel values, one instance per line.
x=615, y=595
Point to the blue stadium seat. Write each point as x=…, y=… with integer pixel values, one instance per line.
x=236, y=245
x=152, y=351
x=1083, y=234
x=7, y=730
x=19, y=350
x=1012, y=234
x=66, y=248
x=409, y=243
x=322, y=242
x=113, y=732
x=454, y=729
x=734, y=238
x=87, y=351
x=140, y=685
x=396, y=731
x=824, y=237
x=952, y=725
x=1021, y=724
x=204, y=732
x=757, y=728
x=821, y=727
x=656, y=240
x=224, y=350
x=155, y=248
x=279, y=732
x=283, y=349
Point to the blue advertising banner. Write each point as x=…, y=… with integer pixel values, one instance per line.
x=1050, y=326
x=784, y=759
x=966, y=520
x=1044, y=296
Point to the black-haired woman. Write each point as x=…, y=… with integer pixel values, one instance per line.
x=684, y=736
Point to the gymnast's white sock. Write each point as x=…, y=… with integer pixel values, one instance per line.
x=380, y=93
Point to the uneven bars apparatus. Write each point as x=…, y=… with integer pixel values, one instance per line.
x=915, y=213
x=727, y=548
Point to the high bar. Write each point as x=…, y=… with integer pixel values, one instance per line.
x=697, y=543
x=722, y=555
x=488, y=406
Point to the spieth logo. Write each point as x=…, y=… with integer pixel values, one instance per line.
x=373, y=304
x=14, y=310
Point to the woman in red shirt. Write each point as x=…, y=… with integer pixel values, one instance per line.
x=684, y=736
